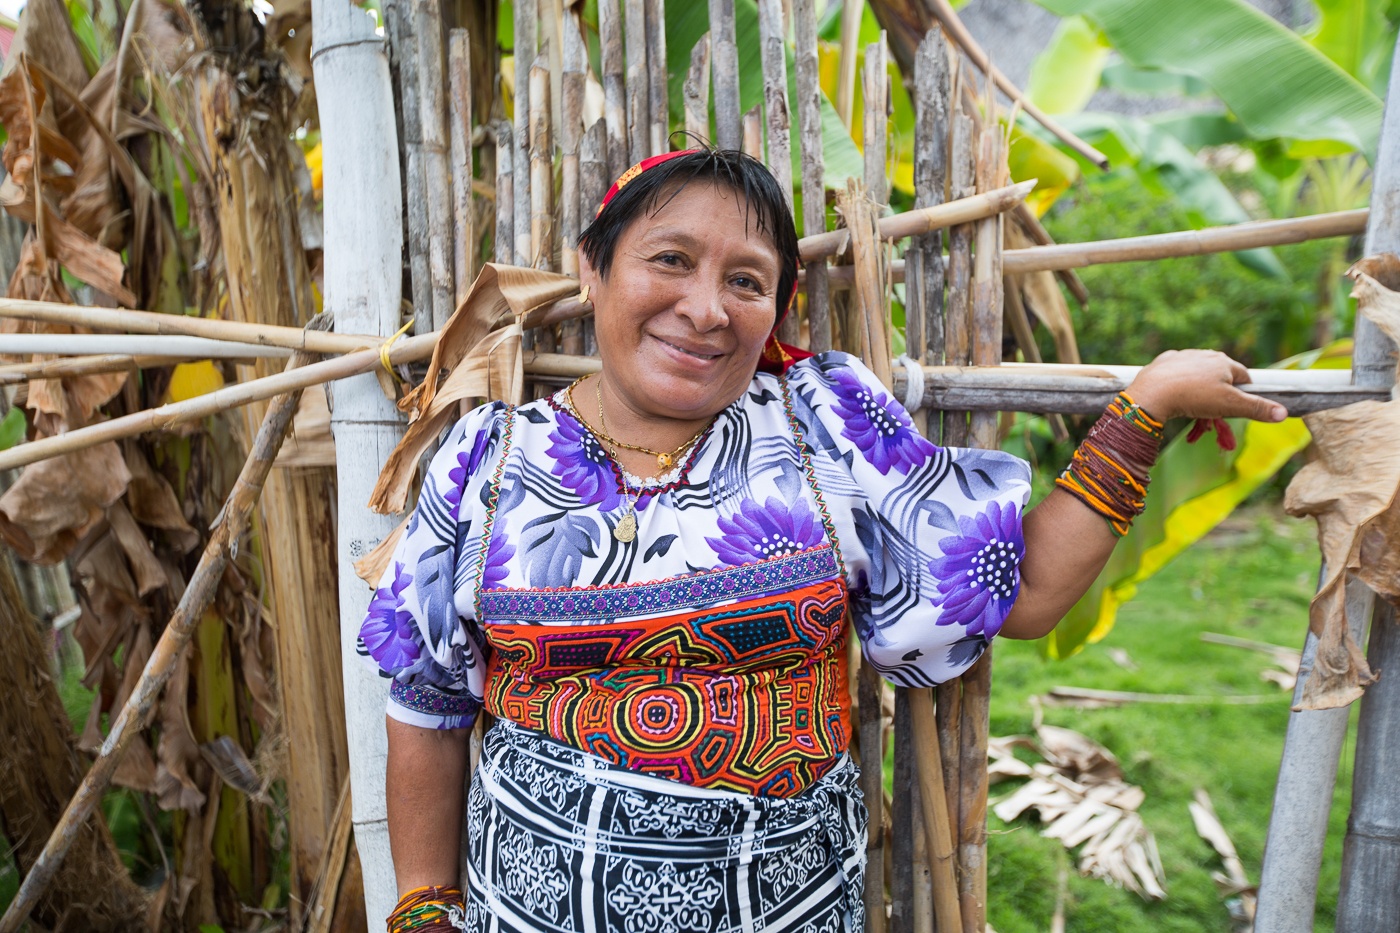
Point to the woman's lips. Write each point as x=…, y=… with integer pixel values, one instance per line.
x=695, y=353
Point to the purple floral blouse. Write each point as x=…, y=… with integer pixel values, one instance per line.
x=927, y=538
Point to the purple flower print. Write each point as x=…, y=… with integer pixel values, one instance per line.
x=467, y=463
x=389, y=632
x=878, y=425
x=498, y=556
x=757, y=532
x=581, y=464
x=978, y=575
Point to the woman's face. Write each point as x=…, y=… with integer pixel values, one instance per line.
x=686, y=307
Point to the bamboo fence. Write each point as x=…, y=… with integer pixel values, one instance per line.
x=927, y=847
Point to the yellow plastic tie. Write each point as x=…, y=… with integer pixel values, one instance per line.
x=384, y=351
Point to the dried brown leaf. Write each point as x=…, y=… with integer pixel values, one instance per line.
x=153, y=503
x=56, y=502
x=178, y=752
x=145, y=566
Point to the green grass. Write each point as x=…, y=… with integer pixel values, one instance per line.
x=1253, y=579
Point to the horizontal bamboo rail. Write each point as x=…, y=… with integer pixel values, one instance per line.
x=1228, y=239
x=145, y=344
x=154, y=322
x=67, y=367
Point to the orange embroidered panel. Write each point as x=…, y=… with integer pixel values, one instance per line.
x=749, y=697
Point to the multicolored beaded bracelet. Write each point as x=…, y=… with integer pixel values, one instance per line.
x=1109, y=471
x=428, y=909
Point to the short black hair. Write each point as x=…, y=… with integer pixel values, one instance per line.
x=745, y=175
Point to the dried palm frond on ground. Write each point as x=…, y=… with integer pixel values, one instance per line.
x=1241, y=897
x=1079, y=793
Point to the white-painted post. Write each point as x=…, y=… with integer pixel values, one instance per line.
x=1313, y=745
x=364, y=241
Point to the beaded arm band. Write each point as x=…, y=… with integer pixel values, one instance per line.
x=1109, y=471
x=429, y=909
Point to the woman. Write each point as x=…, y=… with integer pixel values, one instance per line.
x=646, y=580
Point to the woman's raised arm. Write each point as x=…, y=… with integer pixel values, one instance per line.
x=1067, y=542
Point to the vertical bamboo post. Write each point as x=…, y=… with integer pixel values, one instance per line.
x=541, y=183
x=505, y=194
x=614, y=85
x=987, y=315
x=593, y=184
x=638, y=82
x=1370, y=889
x=464, y=242
x=659, y=78
x=399, y=26
x=753, y=132
x=809, y=125
x=724, y=70
x=696, y=90
x=571, y=136
x=526, y=23
x=436, y=159
x=851, y=11
x=772, y=46
x=363, y=283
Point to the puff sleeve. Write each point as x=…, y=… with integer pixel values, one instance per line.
x=420, y=628
x=930, y=537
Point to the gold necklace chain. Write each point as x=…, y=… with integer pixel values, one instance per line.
x=664, y=460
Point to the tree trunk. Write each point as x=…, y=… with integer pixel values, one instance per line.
x=39, y=771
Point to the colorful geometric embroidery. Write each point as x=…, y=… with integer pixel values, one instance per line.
x=750, y=698
x=424, y=699
x=606, y=603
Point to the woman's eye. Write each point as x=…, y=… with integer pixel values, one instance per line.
x=669, y=259
x=748, y=283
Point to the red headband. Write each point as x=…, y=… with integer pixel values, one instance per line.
x=777, y=357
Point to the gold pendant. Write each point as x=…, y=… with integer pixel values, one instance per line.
x=626, y=528
x=663, y=461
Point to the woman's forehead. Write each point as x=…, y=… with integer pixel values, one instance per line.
x=700, y=211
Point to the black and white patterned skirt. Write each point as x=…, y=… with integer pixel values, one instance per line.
x=561, y=840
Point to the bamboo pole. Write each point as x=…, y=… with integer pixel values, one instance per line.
x=614, y=85
x=696, y=90
x=943, y=11
x=15, y=373
x=437, y=160
x=526, y=48
x=178, y=347
x=154, y=322
x=363, y=285
x=772, y=39
x=809, y=128
x=1224, y=239
x=399, y=24
x=724, y=71
x=464, y=242
x=924, y=258
x=935, y=808
x=505, y=194
x=593, y=184
x=571, y=137
x=660, y=93
x=975, y=207
x=753, y=132
x=541, y=192
x=141, y=704
x=638, y=82
x=1041, y=237
x=851, y=11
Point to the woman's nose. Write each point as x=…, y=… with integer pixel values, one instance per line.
x=704, y=307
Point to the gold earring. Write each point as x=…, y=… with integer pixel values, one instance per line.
x=583, y=295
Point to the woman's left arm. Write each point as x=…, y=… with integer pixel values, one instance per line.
x=1066, y=542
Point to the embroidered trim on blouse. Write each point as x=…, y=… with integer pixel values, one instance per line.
x=804, y=452
x=424, y=699
x=588, y=604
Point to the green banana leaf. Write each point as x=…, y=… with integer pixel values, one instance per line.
x=1194, y=488
x=1271, y=79
x=12, y=428
x=1066, y=74
x=1165, y=163
x=1357, y=36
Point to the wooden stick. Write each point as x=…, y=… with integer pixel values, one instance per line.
x=660, y=91
x=437, y=161
x=696, y=90
x=809, y=128
x=464, y=243
x=943, y=11
x=526, y=48
x=924, y=291
x=987, y=294
x=571, y=137
x=846, y=65
x=614, y=85
x=753, y=132
x=154, y=322
x=933, y=799
x=505, y=194
x=772, y=46
x=14, y=373
x=915, y=222
x=541, y=169
x=181, y=347
x=176, y=413
x=972, y=794
x=593, y=184
x=1225, y=239
x=638, y=82
x=958, y=318
x=400, y=23
x=724, y=72
x=141, y=705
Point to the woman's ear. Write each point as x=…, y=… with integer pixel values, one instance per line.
x=587, y=277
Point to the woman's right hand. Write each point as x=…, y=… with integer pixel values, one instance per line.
x=1199, y=384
